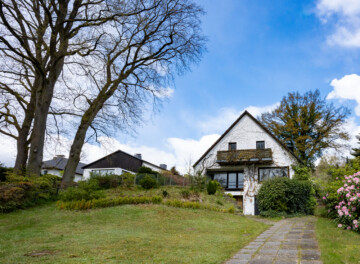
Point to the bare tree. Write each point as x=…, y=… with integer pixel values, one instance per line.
x=139, y=55
x=41, y=34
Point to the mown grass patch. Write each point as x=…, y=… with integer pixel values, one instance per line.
x=337, y=245
x=126, y=234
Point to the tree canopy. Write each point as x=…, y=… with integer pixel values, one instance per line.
x=308, y=123
x=356, y=151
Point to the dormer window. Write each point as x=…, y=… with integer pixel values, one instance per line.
x=260, y=144
x=232, y=146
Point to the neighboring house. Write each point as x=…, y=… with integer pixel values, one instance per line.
x=118, y=163
x=244, y=156
x=57, y=165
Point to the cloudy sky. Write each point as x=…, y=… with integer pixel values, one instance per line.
x=258, y=51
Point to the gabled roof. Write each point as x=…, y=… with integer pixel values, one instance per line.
x=59, y=163
x=119, y=159
x=257, y=122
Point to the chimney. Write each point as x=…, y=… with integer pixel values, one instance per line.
x=59, y=156
x=163, y=166
x=138, y=155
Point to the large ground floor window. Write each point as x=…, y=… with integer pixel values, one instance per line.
x=230, y=180
x=102, y=172
x=272, y=172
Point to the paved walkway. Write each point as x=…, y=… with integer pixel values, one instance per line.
x=289, y=241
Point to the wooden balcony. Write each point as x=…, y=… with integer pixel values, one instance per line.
x=244, y=156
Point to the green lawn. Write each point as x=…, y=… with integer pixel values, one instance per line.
x=337, y=245
x=124, y=234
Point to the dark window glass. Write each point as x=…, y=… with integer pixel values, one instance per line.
x=241, y=176
x=268, y=173
x=232, y=146
x=260, y=144
x=221, y=178
x=232, y=180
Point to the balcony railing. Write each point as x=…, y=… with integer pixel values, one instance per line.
x=244, y=156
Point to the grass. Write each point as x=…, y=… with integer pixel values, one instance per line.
x=218, y=200
x=124, y=234
x=337, y=245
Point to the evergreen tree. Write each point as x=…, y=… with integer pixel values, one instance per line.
x=356, y=152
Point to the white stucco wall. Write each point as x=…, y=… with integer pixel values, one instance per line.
x=149, y=165
x=117, y=171
x=245, y=133
x=77, y=178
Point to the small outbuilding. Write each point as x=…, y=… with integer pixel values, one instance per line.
x=118, y=163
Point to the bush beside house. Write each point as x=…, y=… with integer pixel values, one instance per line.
x=284, y=196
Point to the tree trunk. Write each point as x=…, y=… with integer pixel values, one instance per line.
x=78, y=143
x=76, y=147
x=44, y=95
x=38, y=133
x=22, y=142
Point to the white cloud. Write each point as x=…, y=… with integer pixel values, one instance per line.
x=226, y=116
x=346, y=17
x=190, y=150
x=7, y=150
x=164, y=92
x=178, y=151
x=347, y=88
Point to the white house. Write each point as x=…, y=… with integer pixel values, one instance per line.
x=117, y=163
x=245, y=155
x=57, y=165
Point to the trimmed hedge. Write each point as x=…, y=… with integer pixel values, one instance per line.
x=105, y=202
x=286, y=195
x=102, y=203
x=197, y=205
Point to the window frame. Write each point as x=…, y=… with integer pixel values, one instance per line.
x=227, y=179
x=279, y=167
x=260, y=141
x=232, y=143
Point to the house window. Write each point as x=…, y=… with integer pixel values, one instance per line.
x=221, y=178
x=102, y=172
x=268, y=173
x=230, y=180
x=260, y=144
x=232, y=146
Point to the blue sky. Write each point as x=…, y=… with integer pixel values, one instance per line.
x=258, y=51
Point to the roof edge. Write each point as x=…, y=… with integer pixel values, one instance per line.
x=258, y=123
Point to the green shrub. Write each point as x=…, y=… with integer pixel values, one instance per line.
x=332, y=197
x=19, y=192
x=185, y=194
x=89, y=185
x=127, y=179
x=165, y=193
x=105, y=202
x=77, y=193
x=198, y=182
x=272, y=195
x=219, y=202
x=212, y=187
x=302, y=173
x=148, y=182
x=286, y=195
x=146, y=170
x=197, y=205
